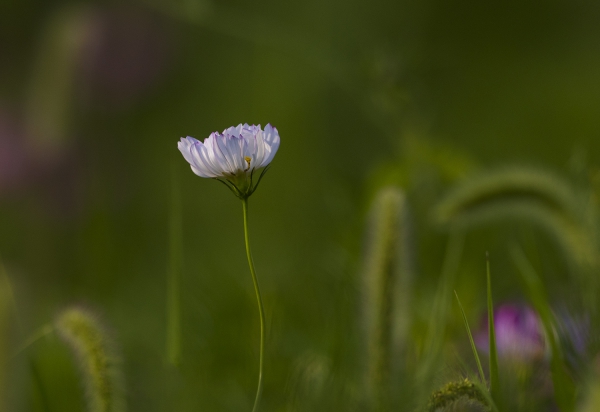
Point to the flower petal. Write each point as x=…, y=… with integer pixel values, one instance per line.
x=216, y=156
x=271, y=137
x=200, y=172
x=184, y=147
x=260, y=149
x=223, y=146
x=202, y=162
x=240, y=149
x=234, y=146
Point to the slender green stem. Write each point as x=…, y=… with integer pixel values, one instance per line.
x=35, y=372
x=261, y=310
x=38, y=382
x=174, y=274
x=494, y=375
x=37, y=335
x=464, y=315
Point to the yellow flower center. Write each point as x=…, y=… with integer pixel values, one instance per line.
x=247, y=159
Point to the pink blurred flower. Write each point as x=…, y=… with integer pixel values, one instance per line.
x=15, y=162
x=26, y=167
x=125, y=51
x=519, y=333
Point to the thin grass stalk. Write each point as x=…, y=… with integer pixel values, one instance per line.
x=494, y=376
x=174, y=273
x=442, y=302
x=475, y=354
x=4, y=333
x=44, y=401
x=436, y=331
x=50, y=107
x=39, y=334
x=564, y=387
x=11, y=306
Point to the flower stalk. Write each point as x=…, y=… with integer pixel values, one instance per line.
x=231, y=158
x=261, y=309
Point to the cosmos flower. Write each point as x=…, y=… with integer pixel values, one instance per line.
x=232, y=156
x=519, y=333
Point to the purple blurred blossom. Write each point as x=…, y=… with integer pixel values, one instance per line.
x=15, y=160
x=54, y=174
x=125, y=52
x=519, y=333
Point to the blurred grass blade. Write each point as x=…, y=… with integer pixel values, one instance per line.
x=494, y=379
x=441, y=305
x=42, y=332
x=436, y=330
x=544, y=188
x=50, y=108
x=564, y=387
x=312, y=384
x=591, y=401
x=485, y=393
x=462, y=311
x=42, y=394
x=8, y=295
x=174, y=274
x=536, y=196
x=9, y=303
x=4, y=334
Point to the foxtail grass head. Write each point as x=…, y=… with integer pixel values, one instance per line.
x=311, y=384
x=233, y=156
x=452, y=393
x=96, y=357
x=386, y=280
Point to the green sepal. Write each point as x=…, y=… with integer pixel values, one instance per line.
x=258, y=181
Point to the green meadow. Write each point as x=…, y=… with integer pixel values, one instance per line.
x=426, y=238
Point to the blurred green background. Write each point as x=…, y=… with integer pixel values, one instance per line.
x=95, y=95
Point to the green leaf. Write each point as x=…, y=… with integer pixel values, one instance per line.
x=481, y=374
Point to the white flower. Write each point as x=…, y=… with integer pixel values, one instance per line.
x=233, y=155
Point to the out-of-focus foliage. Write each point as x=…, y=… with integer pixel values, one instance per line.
x=483, y=115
